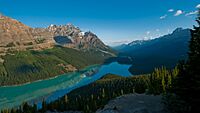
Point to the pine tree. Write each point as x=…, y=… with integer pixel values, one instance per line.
x=194, y=67
x=163, y=84
x=44, y=106
x=34, y=108
x=187, y=83
x=26, y=108
x=66, y=99
x=103, y=93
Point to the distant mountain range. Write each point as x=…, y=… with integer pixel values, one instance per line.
x=163, y=51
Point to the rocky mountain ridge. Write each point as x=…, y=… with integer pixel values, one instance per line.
x=172, y=36
x=75, y=38
x=14, y=35
x=165, y=51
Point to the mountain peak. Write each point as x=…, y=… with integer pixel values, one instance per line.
x=76, y=38
x=70, y=25
x=178, y=29
x=52, y=25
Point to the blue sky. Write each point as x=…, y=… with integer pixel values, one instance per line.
x=114, y=21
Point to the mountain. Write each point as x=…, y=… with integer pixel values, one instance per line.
x=15, y=35
x=29, y=54
x=120, y=47
x=71, y=36
x=162, y=51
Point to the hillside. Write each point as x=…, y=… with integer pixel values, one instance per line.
x=27, y=66
x=163, y=51
x=14, y=35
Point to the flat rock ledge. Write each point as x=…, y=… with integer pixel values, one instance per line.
x=134, y=103
x=64, y=112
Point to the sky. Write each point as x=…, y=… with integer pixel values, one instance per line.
x=113, y=21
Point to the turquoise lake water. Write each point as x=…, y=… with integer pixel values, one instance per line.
x=54, y=88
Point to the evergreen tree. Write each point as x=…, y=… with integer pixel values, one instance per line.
x=34, y=108
x=44, y=106
x=193, y=68
x=25, y=108
x=187, y=83
x=66, y=99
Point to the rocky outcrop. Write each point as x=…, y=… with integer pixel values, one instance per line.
x=76, y=38
x=134, y=103
x=68, y=67
x=14, y=35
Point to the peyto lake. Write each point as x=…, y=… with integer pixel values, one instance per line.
x=54, y=88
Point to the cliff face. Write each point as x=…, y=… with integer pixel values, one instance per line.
x=14, y=35
x=71, y=36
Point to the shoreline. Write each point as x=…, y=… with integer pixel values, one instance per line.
x=50, y=78
x=26, y=83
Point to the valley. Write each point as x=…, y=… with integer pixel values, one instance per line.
x=128, y=56
x=52, y=89
x=50, y=72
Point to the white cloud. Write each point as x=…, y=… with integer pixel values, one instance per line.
x=198, y=6
x=157, y=30
x=145, y=38
x=148, y=32
x=191, y=13
x=163, y=17
x=178, y=12
x=171, y=10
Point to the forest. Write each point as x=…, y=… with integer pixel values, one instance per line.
x=27, y=66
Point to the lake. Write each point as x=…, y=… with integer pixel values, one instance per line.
x=54, y=88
